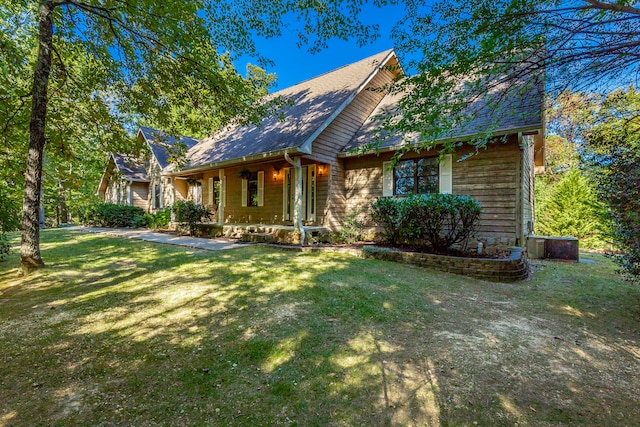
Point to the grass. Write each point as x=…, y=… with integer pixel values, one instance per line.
x=121, y=332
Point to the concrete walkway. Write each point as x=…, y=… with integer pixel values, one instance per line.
x=170, y=239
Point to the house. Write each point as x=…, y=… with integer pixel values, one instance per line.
x=305, y=165
x=139, y=182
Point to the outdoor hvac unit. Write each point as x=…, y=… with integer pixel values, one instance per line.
x=553, y=247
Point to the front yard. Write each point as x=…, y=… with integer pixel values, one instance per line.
x=120, y=332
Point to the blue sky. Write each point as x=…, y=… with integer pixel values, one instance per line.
x=293, y=64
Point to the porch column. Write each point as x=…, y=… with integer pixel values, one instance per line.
x=222, y=196
x=297, y=211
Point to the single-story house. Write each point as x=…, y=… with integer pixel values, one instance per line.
x=247, y=172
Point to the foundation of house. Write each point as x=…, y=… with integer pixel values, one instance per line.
x=269, y=233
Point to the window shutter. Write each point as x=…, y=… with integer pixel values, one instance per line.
x=446, y=174
x=153, y=196
x=210, y=191
x=387, y=179
x=244, y=193
x=260, y=188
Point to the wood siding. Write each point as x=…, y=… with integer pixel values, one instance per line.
x=139, y=194
x=272, y=210
x=528, y=179
x=116, y=191
x=336, y=136
x=491, y=177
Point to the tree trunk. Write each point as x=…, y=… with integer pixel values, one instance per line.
x=63, y=212
x=30, y=245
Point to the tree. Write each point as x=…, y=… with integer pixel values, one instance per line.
x=572, y=208
x=492, y=52
x=613, y=152
x=142, y=57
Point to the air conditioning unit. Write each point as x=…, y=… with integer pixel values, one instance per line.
x=553, y=247
x=535, y=246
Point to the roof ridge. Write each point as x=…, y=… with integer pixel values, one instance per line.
x=383, y=53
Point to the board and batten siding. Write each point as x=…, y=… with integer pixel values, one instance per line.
x=336, y=136
x=491, y=177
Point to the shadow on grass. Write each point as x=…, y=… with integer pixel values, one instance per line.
x=126, y=332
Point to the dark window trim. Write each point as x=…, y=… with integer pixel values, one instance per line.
x=415, y=175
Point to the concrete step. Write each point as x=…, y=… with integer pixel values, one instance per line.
x=257, y=237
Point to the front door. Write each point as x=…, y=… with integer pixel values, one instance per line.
x=308, y=193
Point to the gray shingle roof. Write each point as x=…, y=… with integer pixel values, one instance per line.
x=314, y=102
x=131, y=169
x=159, y=141
x=496, y=111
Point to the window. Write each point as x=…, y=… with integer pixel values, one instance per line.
x=253, y=189
x=157, y=196
x=214, y=191
x=195, y=192
x=416, y=176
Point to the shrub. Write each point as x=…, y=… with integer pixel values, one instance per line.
x=436, y=220
x=351, y=228
x=186, y=211
x=112, y=215
x=5, y=247
x=572, y=208
x=160, y=219
x=387, y=212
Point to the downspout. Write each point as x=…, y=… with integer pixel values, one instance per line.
x=297, y=212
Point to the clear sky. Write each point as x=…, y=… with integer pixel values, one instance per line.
x=294, y=64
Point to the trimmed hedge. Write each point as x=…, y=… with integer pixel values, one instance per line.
x=438, y=221
x=112, y=215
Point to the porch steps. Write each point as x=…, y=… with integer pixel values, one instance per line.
x=258, y=237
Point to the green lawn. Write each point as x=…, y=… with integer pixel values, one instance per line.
x=121, y=332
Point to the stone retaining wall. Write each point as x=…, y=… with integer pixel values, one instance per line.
x=511, y=269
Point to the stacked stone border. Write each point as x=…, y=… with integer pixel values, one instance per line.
x=512, y=269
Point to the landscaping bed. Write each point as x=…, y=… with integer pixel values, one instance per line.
x=511, y=268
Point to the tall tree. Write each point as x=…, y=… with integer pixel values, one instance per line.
x=613, y=151
x=492, y=52
x=137, y=50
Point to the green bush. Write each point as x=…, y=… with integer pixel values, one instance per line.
x=572, y=208
x=5, y=247
x=438, y=221
x=159, y=220
x=190, y=213
x=351, y=228
x=387, y=212
x=112, y=215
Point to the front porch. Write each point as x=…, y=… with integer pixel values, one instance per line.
x=273, y=233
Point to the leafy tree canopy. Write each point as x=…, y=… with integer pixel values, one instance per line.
x=613, y=153
x=496, y=51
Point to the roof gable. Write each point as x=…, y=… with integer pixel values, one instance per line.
x=315, y=103
x=514, y=112
x=131, y=169
x=158, y=141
